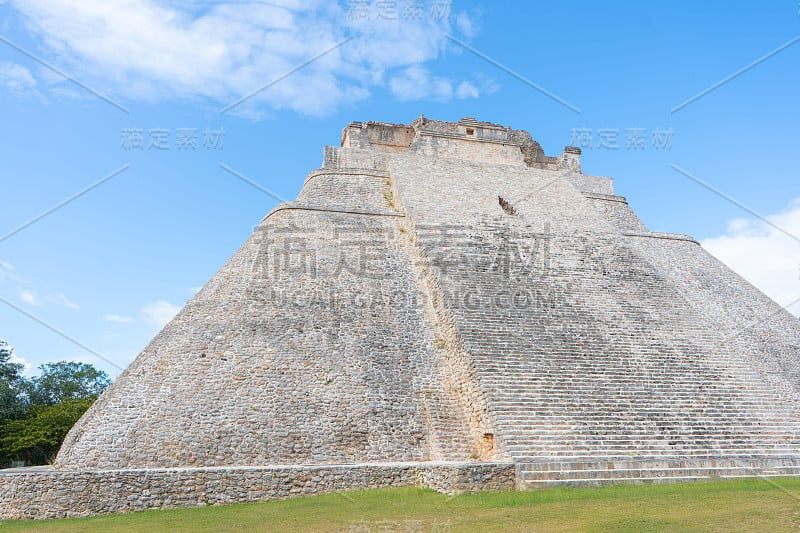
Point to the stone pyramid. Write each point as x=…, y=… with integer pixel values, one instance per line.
x=445, y=293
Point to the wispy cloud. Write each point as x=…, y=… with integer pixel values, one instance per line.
x=28, y=297
x=466, y=24
x=27, y=368
x=765, y=256
x=117, y=318
x=63, y=300
x=160, y=312
x=31, y=297
x=7, y=272
x=417, y=83
x=151, y=50
x=16, y=77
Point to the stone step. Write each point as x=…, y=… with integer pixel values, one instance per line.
x=552, y=392
x=626, y=411
x=674, y=461
x=623, y=406
x=604, y=376
x=767, y=445
x=555, y=385
x=536, y=473
x=653, y=431
x=592, y=368
x=677, y=420
x=649, y=432
x=742, y=457
x=583, y=454
x=589, y=482
x=511, y=442
x=634, y=473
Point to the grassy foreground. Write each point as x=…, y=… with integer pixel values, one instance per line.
x=741, y=505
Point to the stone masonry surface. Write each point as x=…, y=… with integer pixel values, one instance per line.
x=441, y=292
x=58, y=494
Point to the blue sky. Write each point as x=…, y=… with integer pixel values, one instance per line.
x=78, y=80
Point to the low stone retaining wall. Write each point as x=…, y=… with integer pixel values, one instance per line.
x=59, y=494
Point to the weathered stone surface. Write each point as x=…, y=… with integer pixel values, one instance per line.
x=446, y=292
x=63, y=494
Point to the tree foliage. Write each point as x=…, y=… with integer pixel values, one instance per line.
x=36, y=414
x=12, y=385
x=36, y=438
x=5, y=351
x=67, y=380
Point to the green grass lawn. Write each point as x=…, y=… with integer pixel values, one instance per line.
x=741, y=505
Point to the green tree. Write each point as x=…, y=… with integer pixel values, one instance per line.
x=12, y=385
x=66, y=380
x=37, y=438
x=40, y=411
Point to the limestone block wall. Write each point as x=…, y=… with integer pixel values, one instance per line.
x=353, y=158
x=385, y=137
x=55, y=494
x=617, y=211
x=591, y=184
x=343, y=188
x=468, y=150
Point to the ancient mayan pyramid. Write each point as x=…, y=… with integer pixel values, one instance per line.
x=446, y=292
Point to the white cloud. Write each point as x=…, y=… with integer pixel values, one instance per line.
x=417, y=83
x=7, y=272
x=117, y=318
x=16, y=77
x=151, y=50
x=28, y=297
x=62, y=300
x=467, y=90
x=764, y=255
x=32, y=298
x=160, y=312
x=466, y=24
x=27, y=368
